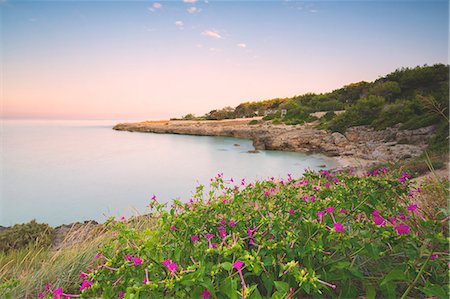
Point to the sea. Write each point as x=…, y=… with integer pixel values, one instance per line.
x=64, y=171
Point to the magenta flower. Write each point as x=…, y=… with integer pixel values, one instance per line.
x=223, y=222
x=223, y=233
x=170, y=265
x=378, y=219
x=402, y=229
x=250, y=232
x=291, y=211
x=238, y=265
x=412, y=207
x=58, y=293
x=342, y=211
x=173, y=227
x=434, y=256
x=266, y=193
x=129, y=257
x=338, y=227
x=206, y=294
x=402, y=216
x=86, y=284
x=40, y=295
x=154, y=197
x=83, y=275
x=329, y=209
x=232, y=223
x=312, y=198
x=327, y=185
x=320, y=215
x=393, y=220
x=137, y=261
x=121, y=294
x=194, y=238
x=209, y=236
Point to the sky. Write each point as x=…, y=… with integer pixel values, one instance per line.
x=142, y=60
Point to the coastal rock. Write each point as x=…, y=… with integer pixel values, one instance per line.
x=361, y=142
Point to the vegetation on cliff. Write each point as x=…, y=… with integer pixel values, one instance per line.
x=325, y=234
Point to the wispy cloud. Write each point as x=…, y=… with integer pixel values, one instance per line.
x=242, y=45
x=190, y=1
x=193, y=10
x=155, y=7
x=179, y=24
x=212, y=34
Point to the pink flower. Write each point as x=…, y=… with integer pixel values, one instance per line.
x=206, y=294
x=154, y=197
x=173, y=227
x=86, y=284
x=312, y=198
x=402, y=216
x=250, y=232
x=402, y=229
x=320, y=215
x=194, y=238
x=146, y=276
x=434, y=256
x=121, y=294
x=393, y=220
x=209, y=236
x=40, y=295
x=238, y=265
x=83, y=275
x=377, y=219
x=137, y=261
x=266, y=193
x=170, y=265
x=291, y=211
x=327, y=185
x=58, y=293
x=338, y=227
x=329, y=209
x=223, y=233
x=223, y=222
x=342, y=211
x=412, y=207
x=232, y=223
x=129, y=257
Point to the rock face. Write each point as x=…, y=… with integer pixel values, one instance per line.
x=360, y=142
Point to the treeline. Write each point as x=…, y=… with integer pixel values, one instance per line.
x=414, y=97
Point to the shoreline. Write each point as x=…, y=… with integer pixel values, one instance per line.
x=359, y=147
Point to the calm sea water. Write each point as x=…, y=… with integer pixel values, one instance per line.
x=65, y=171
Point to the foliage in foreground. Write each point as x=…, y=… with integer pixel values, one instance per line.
x=333, y=235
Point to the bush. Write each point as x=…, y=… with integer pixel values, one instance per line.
x=253, y=122
x=21, y=235
x=327, y=235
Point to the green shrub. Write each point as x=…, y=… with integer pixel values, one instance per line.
x=253, y=122
x=21, y=235
x=325, y=235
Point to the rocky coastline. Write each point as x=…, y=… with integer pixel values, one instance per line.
x=358, y=146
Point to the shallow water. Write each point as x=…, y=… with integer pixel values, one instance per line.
x=65, y=171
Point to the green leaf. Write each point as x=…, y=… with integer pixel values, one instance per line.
x=370, y=291
x=227, y=266
x=281, y=286
x=435, y=290
x=255, y=293
x=394, y=275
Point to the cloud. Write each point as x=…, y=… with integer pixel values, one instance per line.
x=242, y=45
x=179, y=24
x=313, y=10
x=190, y=1
x=155, y=6
x=212, y=34
x=193, y=10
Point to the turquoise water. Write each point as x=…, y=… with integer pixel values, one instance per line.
x=65, y=171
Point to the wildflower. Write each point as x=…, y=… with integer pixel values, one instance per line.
x=170, y=265
x=327, y=185
x=402, y=216
x=121, y=294
x=122, y=218
x=173, y=227
x=312, y=198
x=434, y=256
x=206, y=294
x=291, y=211
x=342, y=211
x=378, y=219
x=329, y=209
x=250, y=232
x=154, y=197
x=40, y=295
x=146, y=276
x=320, y=215
x=338, y=227
x=223, y=222
x=209, y=236
x=232, y=223
x=194, y=238
x=316, y=187
x=402, y=229
x=223, y=233
x=412, y=207
x=266, y=193
x=336, y=180
x=58, y=293
x=238, y=266
x=83, y=275
x=129, y=257
x=86, y=284
x=220, y=228
x=137, y=261
x=393, y=220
